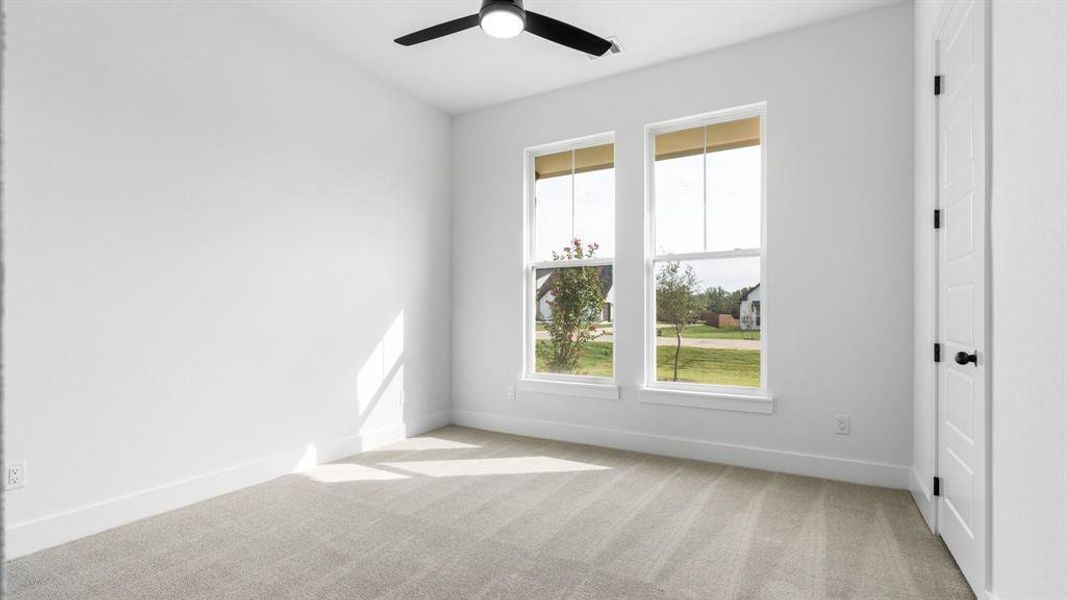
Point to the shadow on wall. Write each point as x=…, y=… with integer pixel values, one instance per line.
x=382, y=374
x=379, y=393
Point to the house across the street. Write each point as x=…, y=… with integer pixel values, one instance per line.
x=544, y=294
x=750, y=309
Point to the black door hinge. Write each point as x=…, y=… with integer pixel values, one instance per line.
x=937, y=353
x=937, y=85
x=937, y=219
x=937, y=486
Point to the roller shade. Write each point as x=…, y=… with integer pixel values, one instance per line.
x=712, y=138
x=579, y=160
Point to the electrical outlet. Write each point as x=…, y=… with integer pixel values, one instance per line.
x=511, y=393
x=16, y=476
x=842, y=425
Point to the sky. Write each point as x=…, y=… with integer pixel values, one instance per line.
x=732, y=179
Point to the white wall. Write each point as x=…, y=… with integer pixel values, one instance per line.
x=839, y=133
x=220, y=241
x=1029, y=254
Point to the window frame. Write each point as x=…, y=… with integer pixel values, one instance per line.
x=595, y=386
x=652, y=258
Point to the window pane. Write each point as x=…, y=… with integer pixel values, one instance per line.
x=574, y=308
x=679, y=198
x=708, y=188
x=708, y=321
x=679, y=191
x=594, y=209
x=553, y=216
x=733, y=197
x=575, y=198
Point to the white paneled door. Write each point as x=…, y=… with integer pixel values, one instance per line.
x=962, y=199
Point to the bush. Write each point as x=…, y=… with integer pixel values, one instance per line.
x=577, y=306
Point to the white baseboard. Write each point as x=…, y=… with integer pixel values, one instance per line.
x=989, y=595
x=51, y=530
x=924, y=499
x=812, y=465
x=428, y=422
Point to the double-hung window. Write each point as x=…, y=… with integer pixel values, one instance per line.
x=570, y=291
x=706, y=263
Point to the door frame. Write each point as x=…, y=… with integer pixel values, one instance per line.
x=947, y=9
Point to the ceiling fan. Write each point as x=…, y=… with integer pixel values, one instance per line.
x=507, y=19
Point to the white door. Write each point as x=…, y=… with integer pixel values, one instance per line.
x=962, y=199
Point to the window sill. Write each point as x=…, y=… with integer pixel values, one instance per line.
x=749, y=403
x=605, y=391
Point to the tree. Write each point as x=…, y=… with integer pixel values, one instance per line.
x=576, y=304
x=718, y=300
x=676, y=301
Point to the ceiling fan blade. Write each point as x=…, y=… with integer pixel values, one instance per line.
x=439, y=30
x=567, y=35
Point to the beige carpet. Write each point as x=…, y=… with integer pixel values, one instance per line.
x=465, y=514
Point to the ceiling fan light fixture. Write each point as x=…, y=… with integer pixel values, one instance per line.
x=502, y=19
x=507, y=19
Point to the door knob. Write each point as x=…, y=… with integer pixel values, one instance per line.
x=963, y=358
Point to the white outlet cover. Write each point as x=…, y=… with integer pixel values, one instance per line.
x=841, y=425
x=16, y=476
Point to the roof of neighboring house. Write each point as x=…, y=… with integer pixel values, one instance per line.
x=607, y=282
x=749, y=292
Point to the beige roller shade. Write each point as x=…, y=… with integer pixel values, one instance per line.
x=720, y=136
x=580, y=160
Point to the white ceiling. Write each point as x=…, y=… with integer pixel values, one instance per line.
x=470, y=70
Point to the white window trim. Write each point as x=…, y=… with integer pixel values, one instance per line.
x=678, y=395
x=577, y=386
x=690, y=394
x=531, y=380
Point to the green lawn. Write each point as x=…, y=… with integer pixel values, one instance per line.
x=597, y=360
x=716, y=366
x=706, y=332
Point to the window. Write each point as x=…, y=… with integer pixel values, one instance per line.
x=706, y=283
x=570, y=292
